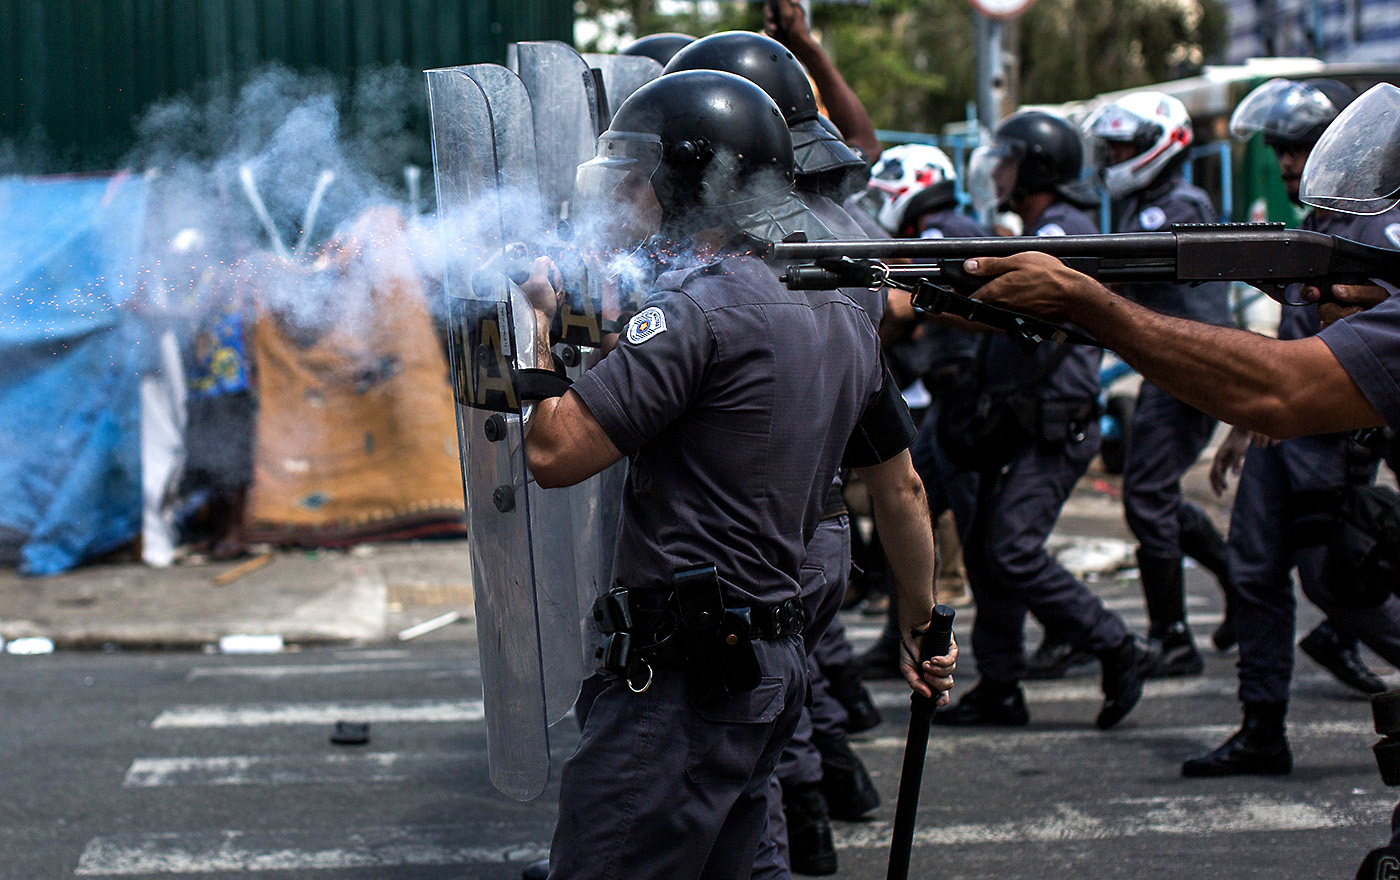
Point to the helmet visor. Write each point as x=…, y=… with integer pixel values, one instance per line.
x=617, y=207
x=991, y=173
x=1355, y=167
x=1114, y=122
x=1282, y=110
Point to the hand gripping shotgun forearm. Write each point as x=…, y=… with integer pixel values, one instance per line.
x=936, y=641
x=1265, y=255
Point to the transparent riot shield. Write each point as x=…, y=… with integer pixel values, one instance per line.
x=623, y=75
x=568, y=118
x=523, y=571
x=565, y=105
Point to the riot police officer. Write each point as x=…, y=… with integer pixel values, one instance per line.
x=1142, y=140
x=1040, y=403
x=820, y=775
x=705, y=394
x=1288, y=492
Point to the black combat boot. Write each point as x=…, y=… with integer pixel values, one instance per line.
x=1203, y=542
x=1337, y=653
x=846, y=784
x=990, y=703
x=1167, y=636
x=1056, y=657
x=845, y=684
x=1122, y=680
x=1174, y=653
x=1258, y=748
x=810, y=848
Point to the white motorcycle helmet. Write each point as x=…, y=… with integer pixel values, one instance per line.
x=1155, y=124
x=908, y=180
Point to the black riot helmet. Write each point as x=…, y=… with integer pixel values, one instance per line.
x=1291, y=114
x=1032, y=151
x=817, y=146
x=658, y=47
x=714, y=148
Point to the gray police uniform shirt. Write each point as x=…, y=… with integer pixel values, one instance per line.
x=1077, y=376
x=1155, y=210
x=1367, y=344
x=734, y=397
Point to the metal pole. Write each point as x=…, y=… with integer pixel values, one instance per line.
x=991, y=74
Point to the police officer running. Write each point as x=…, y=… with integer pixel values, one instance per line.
x=731, y=460
x=1345, y=378
x=1289, y=492
x=1030, y=441
x=1142, y=139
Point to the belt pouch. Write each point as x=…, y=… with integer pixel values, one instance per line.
x=722, y=660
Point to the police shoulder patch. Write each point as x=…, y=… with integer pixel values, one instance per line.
x=646, y=324
x=1152, y=217
x=1049, y=230
x=931, y=232
x=1392, y=234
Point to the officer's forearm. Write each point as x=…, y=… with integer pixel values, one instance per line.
x=544, y=356
x=906, y=533
x=1282, y=388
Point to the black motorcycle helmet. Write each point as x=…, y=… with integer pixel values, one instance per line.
x=658, y=47
x=1050, y=156
x=817, y=147
x=714, y=144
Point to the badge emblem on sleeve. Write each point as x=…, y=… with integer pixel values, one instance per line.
x=1152, y=217
x=1050, y=230
x=1392, y=234
x=645, y=324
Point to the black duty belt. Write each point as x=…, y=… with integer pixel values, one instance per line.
x=645, y=614
x=786, y=618
x=646, y=629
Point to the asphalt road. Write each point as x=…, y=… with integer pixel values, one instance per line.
x=213, y=766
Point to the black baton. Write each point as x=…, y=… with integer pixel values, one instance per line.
x=937, y=640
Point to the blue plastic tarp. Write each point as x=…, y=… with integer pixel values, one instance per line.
x=72, y=350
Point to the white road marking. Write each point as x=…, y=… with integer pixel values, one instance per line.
x=1196, y=816
x=317, y=713
x=888, y=693
x=947, y=741
x=211, y=852
x=356, y=767
x=275, y=672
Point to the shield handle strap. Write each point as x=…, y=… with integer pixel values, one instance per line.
x=535, y=384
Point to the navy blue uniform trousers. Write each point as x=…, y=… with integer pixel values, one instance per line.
x=1011, y=572
x=1165, y=439
x=1263, y=550
x=667, y=788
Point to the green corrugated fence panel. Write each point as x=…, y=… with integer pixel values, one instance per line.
x=75, y=74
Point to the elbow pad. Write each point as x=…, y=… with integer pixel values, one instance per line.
x=885, y=428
